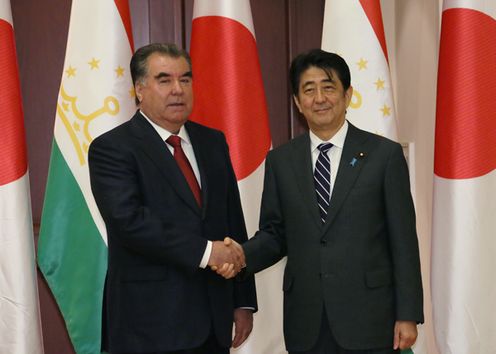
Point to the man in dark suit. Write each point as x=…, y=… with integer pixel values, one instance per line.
x=168, y=195
x=337, y=203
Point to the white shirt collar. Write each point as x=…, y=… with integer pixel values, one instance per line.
x=164, y=133
x=337, y=140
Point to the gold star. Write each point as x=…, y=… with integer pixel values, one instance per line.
x=386, y=111
x=65, y=106
x=362, y=64
x=94, y=63
x=76, y=126
x=379, y=84
x=119, y=71
x=132, y=93
x=85, y=147
x=70, y=71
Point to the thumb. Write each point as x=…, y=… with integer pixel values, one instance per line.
x=396, y=343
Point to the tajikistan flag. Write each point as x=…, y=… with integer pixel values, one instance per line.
x=96, y=94
x=464, y=220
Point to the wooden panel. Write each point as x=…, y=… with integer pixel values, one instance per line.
x=41, y=36
x=188, y=18
x=140, y=22
x=271, y=32
x=166, y=22
x=305, y=20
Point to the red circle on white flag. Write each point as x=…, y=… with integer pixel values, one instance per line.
x=13, y=160
x=466, y=111
x=228, y=89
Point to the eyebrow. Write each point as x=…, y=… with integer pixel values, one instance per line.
x=307, y=83
x=164, y=74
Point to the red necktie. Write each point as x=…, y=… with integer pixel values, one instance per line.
x=185, y=166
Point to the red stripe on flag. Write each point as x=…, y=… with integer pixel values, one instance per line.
x=123, y=8
x=228, y=88
x=13, y=160
x=466, y=110
x=372, y=9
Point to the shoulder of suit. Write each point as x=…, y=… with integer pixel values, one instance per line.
x=202, y=129
x=366, y=136
x=121, y=131
x=298, y=142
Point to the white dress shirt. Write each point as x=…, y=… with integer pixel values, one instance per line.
x=334, y=152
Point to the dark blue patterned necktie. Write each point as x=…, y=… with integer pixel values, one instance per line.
x=322, y=179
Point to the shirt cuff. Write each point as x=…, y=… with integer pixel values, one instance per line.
x=206, y=255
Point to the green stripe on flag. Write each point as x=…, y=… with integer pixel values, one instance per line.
x=407, y=351
x=72, y=256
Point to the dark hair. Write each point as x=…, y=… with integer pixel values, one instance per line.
x=139, y=61
x=319, y=58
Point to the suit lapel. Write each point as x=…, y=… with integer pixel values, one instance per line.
x=149, y=141
x=302, y=168
x=350, y=166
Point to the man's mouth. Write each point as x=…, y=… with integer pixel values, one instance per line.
x=175, y=104
x=322, y=109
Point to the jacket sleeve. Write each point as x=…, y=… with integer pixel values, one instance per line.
x=400, y=214
x=268, y=245
x=244, y=289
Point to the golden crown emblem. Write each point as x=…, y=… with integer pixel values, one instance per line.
x=77, y=124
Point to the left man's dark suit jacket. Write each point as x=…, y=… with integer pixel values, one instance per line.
x=362, y=267
x=157, y=298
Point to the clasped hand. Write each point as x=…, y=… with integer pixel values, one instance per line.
x=227, y=258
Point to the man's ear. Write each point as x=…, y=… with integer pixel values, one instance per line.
x=138, y=90
x=348, y=95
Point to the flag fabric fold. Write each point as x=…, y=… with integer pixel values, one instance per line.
x=225, y=57
x=463, y=238
x=96, y=94
x=20, y=326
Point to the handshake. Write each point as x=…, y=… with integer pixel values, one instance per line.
x=227, y=258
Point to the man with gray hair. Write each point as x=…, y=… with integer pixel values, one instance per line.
x=168, y=195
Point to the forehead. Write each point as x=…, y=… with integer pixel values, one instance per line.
x=158, y=62
x=316, y=75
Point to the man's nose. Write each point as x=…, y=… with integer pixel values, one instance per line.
x=319, y=96
x=177, y=88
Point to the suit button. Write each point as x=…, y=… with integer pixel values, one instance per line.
x=323, y=243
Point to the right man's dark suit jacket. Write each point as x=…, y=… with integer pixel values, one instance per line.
x=157, y=297
x=362, y=267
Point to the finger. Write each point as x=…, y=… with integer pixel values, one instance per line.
x=406, y=342
x=214, y=268
x=239, y=337
x=235, y=342
x=227, y=240
x=219, y=269
x=227, y=271
x=224, y=269
x=396, y=342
